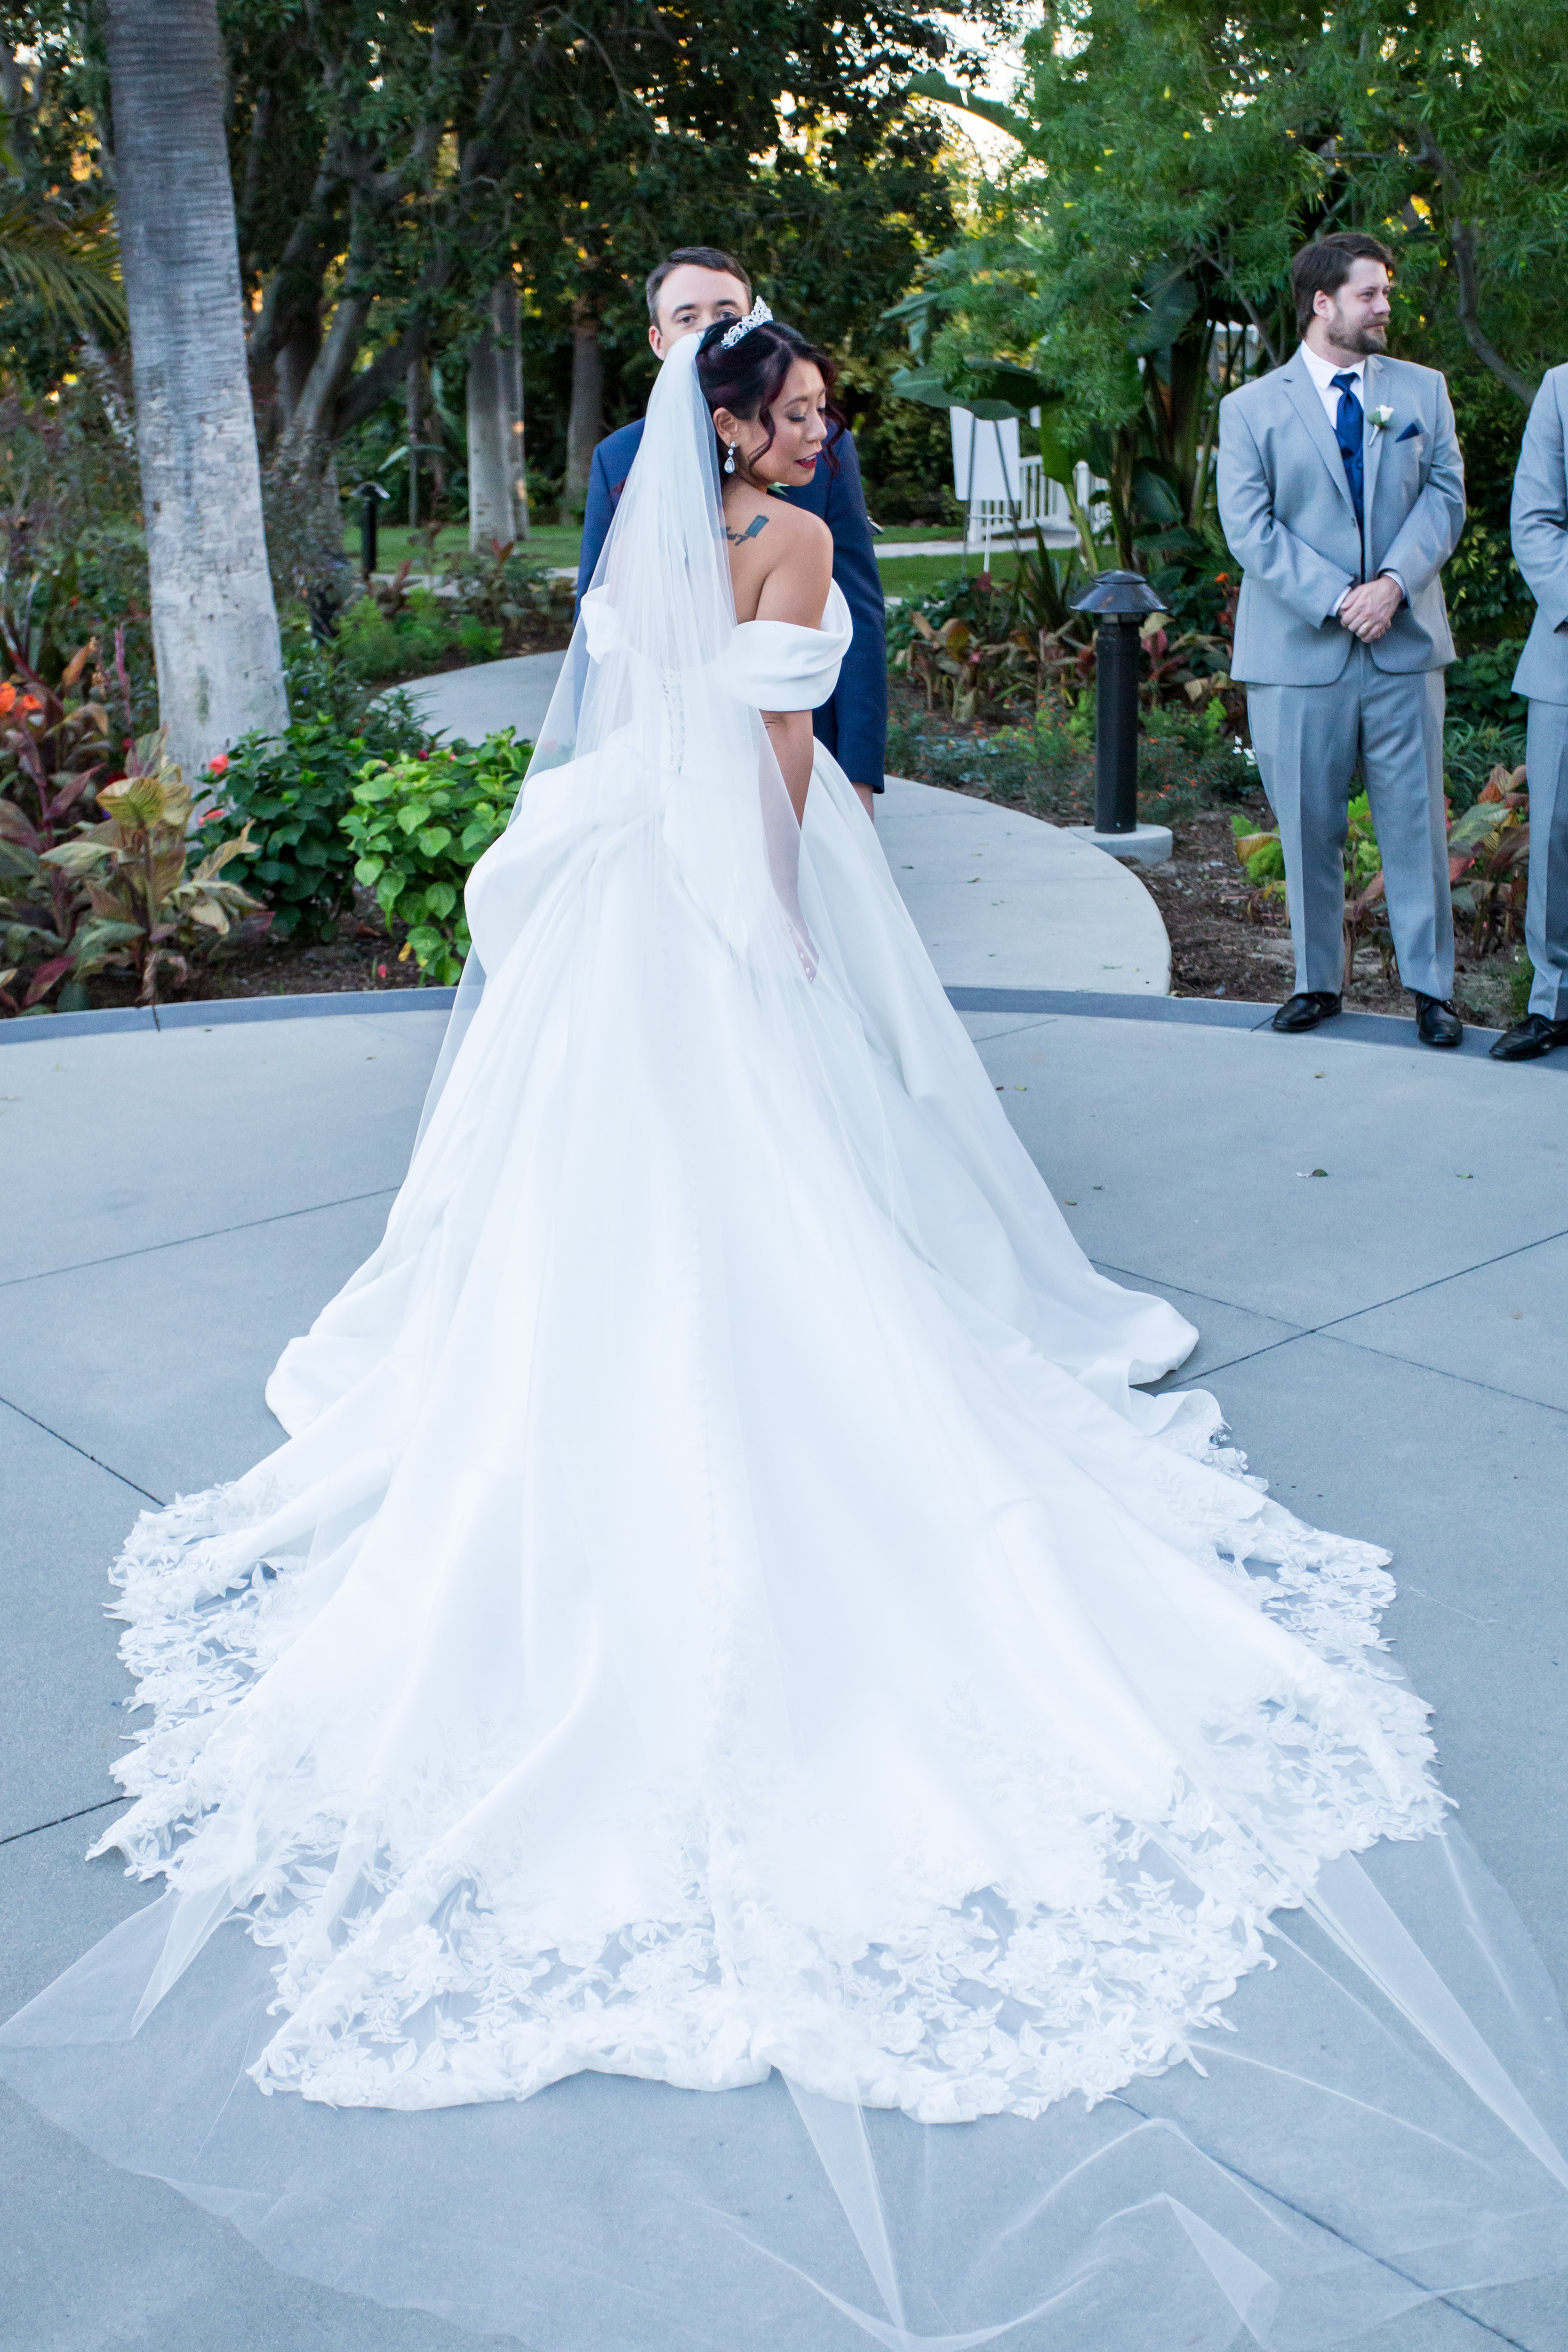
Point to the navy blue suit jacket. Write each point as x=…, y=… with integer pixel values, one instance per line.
x=854, y=724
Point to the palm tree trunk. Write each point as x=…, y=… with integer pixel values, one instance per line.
x=586, y=425
x=215, y=625
x=497, y=487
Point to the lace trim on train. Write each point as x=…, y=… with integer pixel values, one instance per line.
x=409, y=1979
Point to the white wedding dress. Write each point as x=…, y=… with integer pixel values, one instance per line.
x=726, y=1615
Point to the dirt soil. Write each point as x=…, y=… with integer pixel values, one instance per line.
x=1228, y=940
x=365, y=955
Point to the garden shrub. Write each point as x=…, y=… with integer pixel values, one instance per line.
x=293, y=790
x=1187, y=761
x=1483, y=588
x=73, y=557
x=1480, y=685
x=374, y=645
x=1470, y=753
x=417, y=826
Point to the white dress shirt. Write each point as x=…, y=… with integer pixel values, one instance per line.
x=1323, y=372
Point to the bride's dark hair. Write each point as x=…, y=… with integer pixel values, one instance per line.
x=748, y=377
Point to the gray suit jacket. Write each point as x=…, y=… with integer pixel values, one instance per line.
x=1288, y=519
x=1540, y=534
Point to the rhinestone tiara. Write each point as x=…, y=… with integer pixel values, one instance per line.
x=760, y=317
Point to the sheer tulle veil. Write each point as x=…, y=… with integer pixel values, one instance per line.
x=646, y=669
x=1072, y=1950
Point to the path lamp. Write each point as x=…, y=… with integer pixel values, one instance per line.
x=369, y=495
x=1120, y=602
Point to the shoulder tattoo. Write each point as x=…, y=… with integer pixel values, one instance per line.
x=737, y=538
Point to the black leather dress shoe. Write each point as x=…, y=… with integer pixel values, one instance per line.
x=1530, y=1038
x=1305, y=1012
x=1437, y=1023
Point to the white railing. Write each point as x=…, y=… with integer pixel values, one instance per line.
x=1041, y=504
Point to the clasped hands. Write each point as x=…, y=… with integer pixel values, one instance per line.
x=1368, y=610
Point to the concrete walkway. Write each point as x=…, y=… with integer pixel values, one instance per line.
x=1387, y=1341
x=1000, y=899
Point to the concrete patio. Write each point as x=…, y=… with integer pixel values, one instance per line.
x=1386, y=1339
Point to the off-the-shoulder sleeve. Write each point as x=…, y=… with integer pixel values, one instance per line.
x=777, y=666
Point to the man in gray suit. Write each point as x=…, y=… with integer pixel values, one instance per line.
x=1341, y=493
x=1540, y=551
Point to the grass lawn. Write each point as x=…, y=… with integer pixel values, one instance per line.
x=916, y=574
x=559, y=543
x=894, y=534
x=556, y=543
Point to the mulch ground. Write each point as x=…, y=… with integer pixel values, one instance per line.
x=1228, y=940
x=365, y=955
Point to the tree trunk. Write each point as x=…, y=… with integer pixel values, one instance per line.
x=498, y=490
x=215, y=625
x=414, y=415
x=586, y=425
x=292, y=367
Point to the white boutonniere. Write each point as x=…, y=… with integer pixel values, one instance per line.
x=1380, y=418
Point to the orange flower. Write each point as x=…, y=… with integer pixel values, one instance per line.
x=7, y=697
x=28, y=704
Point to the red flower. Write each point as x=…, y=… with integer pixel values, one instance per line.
x=28, y=704
x=381, y=971
x=218, y=765
x=211, y=815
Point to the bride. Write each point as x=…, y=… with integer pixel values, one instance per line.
x=726, y=1619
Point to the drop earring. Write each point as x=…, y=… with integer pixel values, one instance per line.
x=730, y=460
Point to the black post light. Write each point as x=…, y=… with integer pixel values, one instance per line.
x=369, y=495
x=1120, y=602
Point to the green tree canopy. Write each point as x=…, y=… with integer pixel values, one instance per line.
x=1171, y=155
x=389, y=164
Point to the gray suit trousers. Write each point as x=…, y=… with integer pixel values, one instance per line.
x=1308, y=740
x=1546, y=915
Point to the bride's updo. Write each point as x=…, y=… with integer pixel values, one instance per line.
x=748, y=377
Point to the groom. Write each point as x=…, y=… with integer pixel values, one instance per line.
x=1342, y=495
x=687, y=291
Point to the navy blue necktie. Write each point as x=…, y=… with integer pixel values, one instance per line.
x=1350, y=430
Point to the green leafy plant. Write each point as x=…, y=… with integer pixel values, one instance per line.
x=417, y=826
x=1489, y=868
x=420, y=634
x=1482, y=587
x=507, y=589
x=53, y=747
x=73, y=561
x=322, y=686
x=1488, y=862
x=1259, y=851
x=1480, y=685
x=1471, y=756
x=143, y=906
x=289, y=794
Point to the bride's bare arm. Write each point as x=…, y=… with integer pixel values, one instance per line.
x=795, y=589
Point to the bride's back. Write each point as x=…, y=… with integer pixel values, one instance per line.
x=780, y=558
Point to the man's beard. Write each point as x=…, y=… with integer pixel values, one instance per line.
x=1364, y=339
